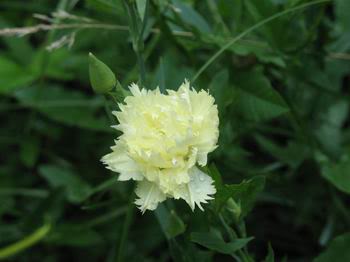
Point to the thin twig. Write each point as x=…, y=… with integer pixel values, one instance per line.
x=22, y=31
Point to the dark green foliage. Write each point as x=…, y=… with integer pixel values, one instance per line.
x=282, y=168
x=214, y=241
x=338, y=250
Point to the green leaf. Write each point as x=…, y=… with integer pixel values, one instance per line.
x=141, y=8
x=293, y=154
x=105, y=6
x=338, y=250
x=6, y=206
x=102, y=78
x=214, y=241
x=66, y=106
x=337, y=173
x=61, y=65
x=244, y=193
x=178, y=254
x=342, y=11
x=232, y=12
x=171, y=71
x=76, y=189
x=13, y=76
x=215, y=174
x=329, y=133
x=220, y=90
x=19, y=49
x=169, y=221
x=270, y=255
x=191, y=16
x=73, y=235
x=255, y=99
x=30, y=149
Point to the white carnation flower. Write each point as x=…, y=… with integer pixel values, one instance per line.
x=164, y=137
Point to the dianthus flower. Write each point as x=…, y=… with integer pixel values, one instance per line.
x=164, y=137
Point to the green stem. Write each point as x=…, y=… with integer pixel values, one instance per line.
x=149, y=49
x=137, y=31
x=25, y=242
x=125, y=231
x=250, y=29
x=231, y=233
x=140, y=47
x=108, y=111
x=142, y=68
x=232, y=236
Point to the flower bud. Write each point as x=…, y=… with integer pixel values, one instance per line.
x=234, y=208
x=102, y=78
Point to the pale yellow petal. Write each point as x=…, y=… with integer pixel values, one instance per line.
x=199, y=190
x=119, y=161
x=149, y=196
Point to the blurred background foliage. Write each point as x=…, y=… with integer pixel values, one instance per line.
x=283, y=96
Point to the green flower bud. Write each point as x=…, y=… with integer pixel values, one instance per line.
x=234, y=208
x=102, y=78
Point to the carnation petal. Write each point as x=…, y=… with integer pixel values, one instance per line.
x=149, y=195
x=135, y=90
x=171, y=180
x=199, y=189
x=119, y=161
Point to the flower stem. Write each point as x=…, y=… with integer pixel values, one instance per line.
x=141, y=64
x=26, y=242
x=126, y=227
x=108, y=110
x=232, y=236
x=137, y=29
